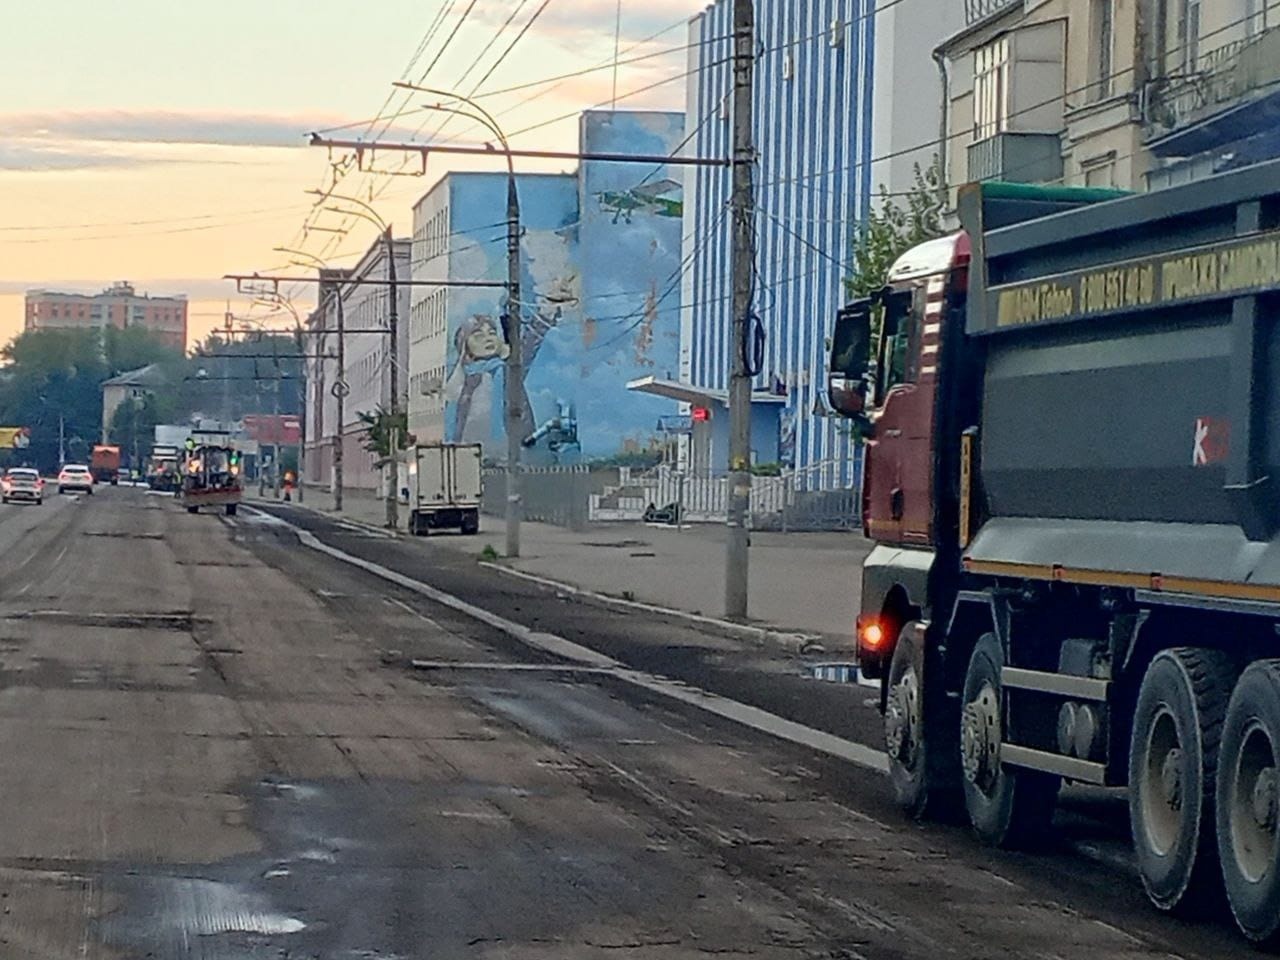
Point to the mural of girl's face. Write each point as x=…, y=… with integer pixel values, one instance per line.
x=483, y=342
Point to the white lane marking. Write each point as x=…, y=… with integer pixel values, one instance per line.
x=741, y=713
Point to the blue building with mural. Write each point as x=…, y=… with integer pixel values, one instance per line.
x=600, y=295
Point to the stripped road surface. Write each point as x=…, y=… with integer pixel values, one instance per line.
x=219, y=742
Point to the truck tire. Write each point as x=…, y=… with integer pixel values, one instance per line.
x=1247, y=805
x=916, y=742
x=193, y=509
x=1007, y=807
x=1173, y=756
x=231, y=509
x=471, y=524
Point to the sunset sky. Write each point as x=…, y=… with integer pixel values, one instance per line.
x=163, y=142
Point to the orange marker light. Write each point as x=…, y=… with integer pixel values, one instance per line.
x=872, y=635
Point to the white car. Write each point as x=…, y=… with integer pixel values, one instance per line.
x=22, y=483
x=75, y=476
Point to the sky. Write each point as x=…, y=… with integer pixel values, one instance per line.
x=165, y=143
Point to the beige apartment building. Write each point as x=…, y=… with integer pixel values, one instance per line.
x=1132, y=94
x=119, y=306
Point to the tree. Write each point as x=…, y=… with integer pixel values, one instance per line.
x=893, y=228
x=53, y=380
x=133, y=425
x=379, y=427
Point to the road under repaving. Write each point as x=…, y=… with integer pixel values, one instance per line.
x=215, y=743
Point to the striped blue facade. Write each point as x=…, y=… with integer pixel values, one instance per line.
x=813, y=108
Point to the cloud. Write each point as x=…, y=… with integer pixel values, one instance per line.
x=598, y=18
x=166, y=127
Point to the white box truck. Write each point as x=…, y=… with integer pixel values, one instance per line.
x=444, y=489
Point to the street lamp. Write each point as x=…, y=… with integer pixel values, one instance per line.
x=515, y=358
x=366, y=212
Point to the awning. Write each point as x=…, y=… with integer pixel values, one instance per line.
x=688, y=393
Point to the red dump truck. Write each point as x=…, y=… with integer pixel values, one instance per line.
x=104, y=463
x=1073, y=481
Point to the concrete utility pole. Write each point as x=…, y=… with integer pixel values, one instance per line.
x=393, y=352
x=515, y=365
x=736, y=573
x=302, y=407
x=340, y=390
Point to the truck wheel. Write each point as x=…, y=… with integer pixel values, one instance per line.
x=1248, y=782
x=917, y=747
x=1007, y=807
x=193, y=509
x=231, y=509
x=1173, y=755
x=471, y=524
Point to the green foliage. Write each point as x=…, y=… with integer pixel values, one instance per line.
x=225, y=379
x=133, y=425
x=58, y=374
x=380, y=426
x=488, y=554
x=641, y=460
x=895, y=226
x=766, y=470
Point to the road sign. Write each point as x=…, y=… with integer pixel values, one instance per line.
x=675, y=424
x=340, y=390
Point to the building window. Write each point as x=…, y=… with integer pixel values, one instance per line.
x=1100, y=173
x=1103, y=21
x=1255, y=16
x=1182, y=26
x=991, y=89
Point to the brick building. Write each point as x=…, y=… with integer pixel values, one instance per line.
x=118, y=306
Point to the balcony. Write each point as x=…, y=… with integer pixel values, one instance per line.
x=1229, y=95
x=1017, y=158
x=975, y=11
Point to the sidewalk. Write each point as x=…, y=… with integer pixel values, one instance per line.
x=800, y=582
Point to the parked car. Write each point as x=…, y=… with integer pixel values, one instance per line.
x=75, y=476
x=22, y=483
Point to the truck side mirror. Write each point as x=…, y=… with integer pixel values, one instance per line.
x=847, y=379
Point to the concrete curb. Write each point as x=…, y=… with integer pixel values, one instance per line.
x=792, y=642
x=331, y=515
x=762, y=636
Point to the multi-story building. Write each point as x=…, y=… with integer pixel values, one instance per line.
x=1133, y=94
x=599, y=298
x=321, y=405
x=365, y=377
x=847, y=101
x=118, y=306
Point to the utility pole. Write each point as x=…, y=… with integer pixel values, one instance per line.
x=62, y=441
x=737, y=553
x=393, y=352
x=340, y=395
x=515, y=367
x=303, y=392
x=275, y=427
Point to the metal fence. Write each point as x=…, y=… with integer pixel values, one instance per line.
x=556, y=495
x=1222, y=76
x=824, y=496
x=976, y=10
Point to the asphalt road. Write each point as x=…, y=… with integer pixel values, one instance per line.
x=215, y=744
